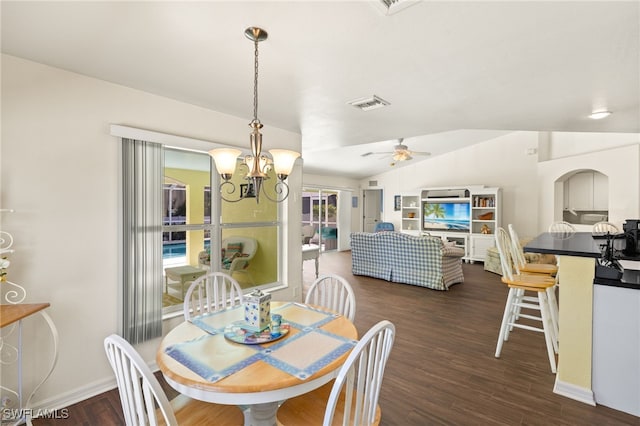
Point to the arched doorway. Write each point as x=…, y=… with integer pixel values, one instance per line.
x=585, y=197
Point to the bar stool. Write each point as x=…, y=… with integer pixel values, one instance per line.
x=518, y=300
x=520, y=262
x=522, y=267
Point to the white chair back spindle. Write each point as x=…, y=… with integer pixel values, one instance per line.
x=212, y=292
x=333, y=292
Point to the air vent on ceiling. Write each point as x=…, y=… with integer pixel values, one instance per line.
x=367, y=104
x=389, y=7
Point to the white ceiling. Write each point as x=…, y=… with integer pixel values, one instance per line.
x=454, y=72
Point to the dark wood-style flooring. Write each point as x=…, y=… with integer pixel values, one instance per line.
x=441, y=370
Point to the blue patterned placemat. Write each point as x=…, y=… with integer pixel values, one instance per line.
x=307, y=351
x=304, y=317
x=215, y=322
x=203, y=357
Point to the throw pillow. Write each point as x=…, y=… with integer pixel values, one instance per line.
x=234, y=248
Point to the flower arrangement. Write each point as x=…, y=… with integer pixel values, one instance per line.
x=4, y=265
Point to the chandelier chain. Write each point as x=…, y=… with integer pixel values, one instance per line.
x=255, y=84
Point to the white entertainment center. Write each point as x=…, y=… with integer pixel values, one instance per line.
x=467, y=215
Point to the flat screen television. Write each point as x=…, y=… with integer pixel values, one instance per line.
x=446, y=216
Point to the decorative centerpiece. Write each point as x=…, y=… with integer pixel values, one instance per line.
x=257, y=310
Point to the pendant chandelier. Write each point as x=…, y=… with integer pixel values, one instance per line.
x=258, y=163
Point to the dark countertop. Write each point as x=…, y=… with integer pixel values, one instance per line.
x=579, y=244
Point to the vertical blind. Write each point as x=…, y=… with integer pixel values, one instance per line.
x=142, y=171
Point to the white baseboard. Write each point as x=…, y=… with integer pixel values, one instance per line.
x=80, y=394
x=572, y=391
x=74, y=396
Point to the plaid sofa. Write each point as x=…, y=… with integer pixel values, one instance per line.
x=401, y=258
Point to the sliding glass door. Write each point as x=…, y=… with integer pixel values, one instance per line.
x=320, y=210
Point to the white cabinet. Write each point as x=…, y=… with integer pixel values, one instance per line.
x=600, y=191
x=616, y=348
x=478, y=245
x=410, y=208
x=586, y=191
x=581, y=191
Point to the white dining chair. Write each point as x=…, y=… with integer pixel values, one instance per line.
x=520, y=305
x=604, y=228
x=333, y=292
x=561, y=229
x=145, y=403
x=352, y=399
x=212, y=292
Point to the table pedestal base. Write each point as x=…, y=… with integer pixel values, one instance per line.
x=261, y=414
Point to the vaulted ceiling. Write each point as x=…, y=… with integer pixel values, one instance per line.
x=454, y=72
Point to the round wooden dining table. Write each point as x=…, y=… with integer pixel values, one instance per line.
x=197, y=360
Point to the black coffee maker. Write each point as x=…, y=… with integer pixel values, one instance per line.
x=631, y=234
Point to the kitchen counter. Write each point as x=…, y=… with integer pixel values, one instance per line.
x=599, y=325
x=580, y=244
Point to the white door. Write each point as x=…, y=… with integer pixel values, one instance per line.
x=372, y=202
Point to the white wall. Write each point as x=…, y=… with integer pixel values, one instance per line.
x=60, y=173
x=576, y=143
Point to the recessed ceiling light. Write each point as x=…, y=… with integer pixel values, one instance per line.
x=597, y=115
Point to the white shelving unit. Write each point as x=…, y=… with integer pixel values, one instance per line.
x=411, y=216
x=485, y=219
x=484, y=208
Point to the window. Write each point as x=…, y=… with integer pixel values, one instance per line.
x=187, y=228
x=169, y=219
x=248, y=231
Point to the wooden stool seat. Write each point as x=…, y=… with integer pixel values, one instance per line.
x=539, y=268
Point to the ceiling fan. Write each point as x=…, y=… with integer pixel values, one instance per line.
x=400, y=153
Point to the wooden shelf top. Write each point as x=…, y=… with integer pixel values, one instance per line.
x=12, y=313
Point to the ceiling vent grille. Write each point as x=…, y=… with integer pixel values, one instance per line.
x=389, y=7
x=367, y=104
